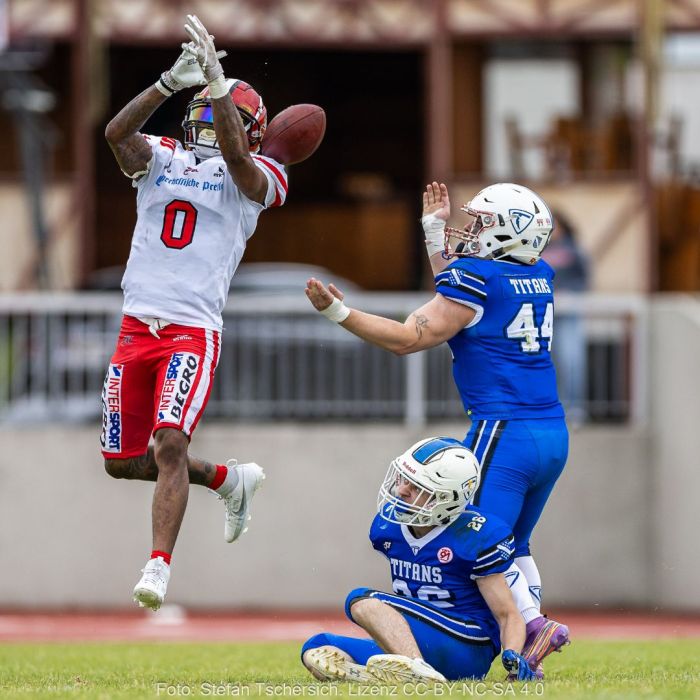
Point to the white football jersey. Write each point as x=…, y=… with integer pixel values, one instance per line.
x=191, y=230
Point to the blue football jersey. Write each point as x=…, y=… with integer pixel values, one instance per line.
x=502, y=362
x=440, y=568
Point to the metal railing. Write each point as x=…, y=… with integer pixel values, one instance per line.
x=281, y=360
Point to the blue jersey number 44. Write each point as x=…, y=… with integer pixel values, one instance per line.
x=523, y=328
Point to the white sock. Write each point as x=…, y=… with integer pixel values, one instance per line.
x=521, y=593
x=532, y=576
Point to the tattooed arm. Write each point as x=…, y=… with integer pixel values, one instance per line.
x=433, y=323
x=233, y=142
x=122, y=133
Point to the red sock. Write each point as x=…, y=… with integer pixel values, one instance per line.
x=221, y=472
x=163, y=555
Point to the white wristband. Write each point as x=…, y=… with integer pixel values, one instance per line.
x=337, y=311
x=163, y=88
x=217, y=87
x=434, y=229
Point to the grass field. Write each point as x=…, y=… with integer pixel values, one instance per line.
x=587, y=669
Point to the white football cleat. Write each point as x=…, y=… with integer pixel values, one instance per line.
x=332, y=665
x=395, y=669
x=250, y=478
x=149, y=592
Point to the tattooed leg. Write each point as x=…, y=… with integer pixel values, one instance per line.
x=144, y=468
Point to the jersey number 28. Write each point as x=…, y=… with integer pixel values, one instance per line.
x=179, y=221
x=524, y=329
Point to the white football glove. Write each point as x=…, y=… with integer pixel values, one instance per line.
x=185, y=73
x=203, y=49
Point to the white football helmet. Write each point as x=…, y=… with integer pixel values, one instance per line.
x=508, y=221
x=445, y=475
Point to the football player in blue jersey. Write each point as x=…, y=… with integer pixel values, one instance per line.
x=494, y=307
x=451, y=608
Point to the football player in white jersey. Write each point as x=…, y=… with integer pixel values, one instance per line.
x=197, y=206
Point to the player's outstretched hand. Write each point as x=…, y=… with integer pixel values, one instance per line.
x=436, y=201
x=203, y=49
x=320, y=296
x=517, y=666
x=186, y=71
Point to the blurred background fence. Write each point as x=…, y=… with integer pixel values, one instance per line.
x=281, y=361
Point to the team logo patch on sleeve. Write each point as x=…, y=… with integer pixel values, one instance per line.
x=177, y=386
x=111, y=438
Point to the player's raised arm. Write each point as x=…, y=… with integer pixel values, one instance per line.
x=228, y=125
x=436, y=212
x=431, y=324
x=122, y=133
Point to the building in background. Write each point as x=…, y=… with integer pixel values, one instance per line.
x=553, y=93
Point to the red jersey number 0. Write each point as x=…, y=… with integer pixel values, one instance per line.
x=179, y=221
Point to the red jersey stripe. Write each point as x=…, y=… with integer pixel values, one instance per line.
x=275, y=171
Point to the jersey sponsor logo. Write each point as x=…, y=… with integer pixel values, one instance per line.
x=189, y=182
x=416, y=572
x=182, y=337
x=177, y=385
x=111, y=438
x=387, y=546
x=521, y=219
x=127, y=340
x=445, y=555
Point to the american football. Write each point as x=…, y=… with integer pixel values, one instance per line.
x=295, y=133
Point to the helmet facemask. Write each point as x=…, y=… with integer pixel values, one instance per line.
x=467, y=238
x=200, y=136
x=393, y=508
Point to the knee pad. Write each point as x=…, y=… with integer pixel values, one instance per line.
x=354, y=595
x=318, y=640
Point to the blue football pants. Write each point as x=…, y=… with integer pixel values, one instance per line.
x=521, y=461
x=455, y=648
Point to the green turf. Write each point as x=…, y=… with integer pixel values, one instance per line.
x=587, y=669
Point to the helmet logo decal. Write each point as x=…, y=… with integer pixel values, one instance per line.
x=536, y=241
x=521, y=219
x=445, y=555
